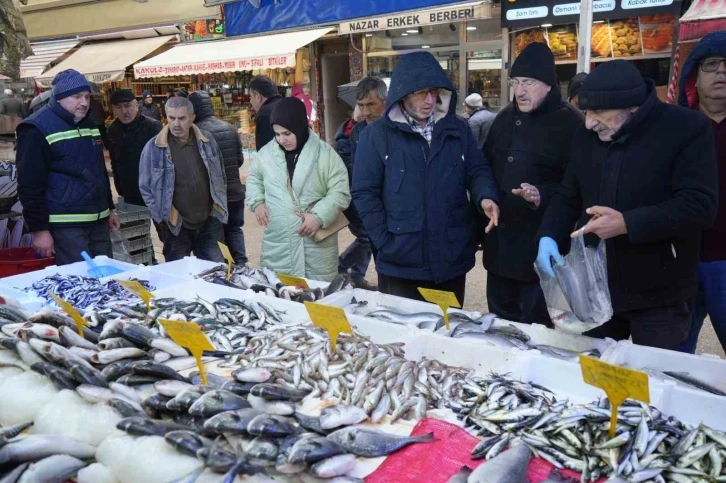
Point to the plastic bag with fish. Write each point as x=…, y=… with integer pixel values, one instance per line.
x=578, y=297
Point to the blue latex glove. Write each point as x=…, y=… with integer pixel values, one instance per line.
x=548, y=250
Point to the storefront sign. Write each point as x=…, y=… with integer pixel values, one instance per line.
x=530, y=13
x=255, y=63
x=205, y=29
x=417, y=19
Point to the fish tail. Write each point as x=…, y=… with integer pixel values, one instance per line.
x=425, y=438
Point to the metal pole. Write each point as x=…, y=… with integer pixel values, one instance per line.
x=585, y=39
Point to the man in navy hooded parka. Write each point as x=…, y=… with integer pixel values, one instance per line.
x=418, y=177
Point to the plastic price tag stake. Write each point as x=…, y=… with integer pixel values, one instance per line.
x=618, y=383
x=137, y=289
x=443, y=299
x=332, y=319
x=73, y=313
x=190, y=336
x=289, y=280
x=227, y=256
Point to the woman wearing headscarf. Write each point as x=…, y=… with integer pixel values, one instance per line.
x=296, y=186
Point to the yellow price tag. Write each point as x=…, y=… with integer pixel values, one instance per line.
x=292, y=281
x=72, y=312
x=137, y=289
x=443, y=299
x=332, y=319
x=189, y=335
x=618, y=383
x=227, y=256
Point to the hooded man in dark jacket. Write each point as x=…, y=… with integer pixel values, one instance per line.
x=148, y=108
x=529, y=148
x=643, y=178
x=703, y=88
x=263, y=97
x=415, y=171
x=231, y=148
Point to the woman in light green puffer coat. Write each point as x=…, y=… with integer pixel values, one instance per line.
x=320, y=191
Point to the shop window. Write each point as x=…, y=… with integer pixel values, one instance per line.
x=430, y=36
x=482, y=30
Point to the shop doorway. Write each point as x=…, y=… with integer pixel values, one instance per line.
x=335, y=71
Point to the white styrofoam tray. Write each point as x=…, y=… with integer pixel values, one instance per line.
x=564, y=378
x=25, y=280
x=538, y=333
x=157, y=279
x=707, y=367
x=190, y=267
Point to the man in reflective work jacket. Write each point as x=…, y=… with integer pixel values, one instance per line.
x=62, y=179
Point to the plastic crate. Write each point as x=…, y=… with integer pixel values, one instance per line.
x=128, y=213
x=142, y=258
x=139, y=243
x=136, y=229
x=14, y=261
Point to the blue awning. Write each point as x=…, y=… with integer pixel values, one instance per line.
x=242, y=18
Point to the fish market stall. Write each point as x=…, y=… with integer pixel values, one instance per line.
x=390, y=402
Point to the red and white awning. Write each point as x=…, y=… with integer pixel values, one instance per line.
x=702, y=17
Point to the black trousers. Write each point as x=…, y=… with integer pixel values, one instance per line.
x=661, y=327
x=70, y=241
x=516, y=300
x=402, y=287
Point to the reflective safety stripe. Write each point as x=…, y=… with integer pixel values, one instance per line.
x=76, y=133
x=79, y=218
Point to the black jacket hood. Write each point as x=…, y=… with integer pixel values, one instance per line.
x=202, y=103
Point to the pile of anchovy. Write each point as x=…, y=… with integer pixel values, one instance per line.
x=82, y=292
x=264, y=280
x=375, y=377
x=648, y=445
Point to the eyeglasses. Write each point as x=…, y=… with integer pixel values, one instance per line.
x=526, y=83
x=712, y=64
x=423, y=93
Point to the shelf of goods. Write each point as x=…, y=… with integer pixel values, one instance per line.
x=269, y=356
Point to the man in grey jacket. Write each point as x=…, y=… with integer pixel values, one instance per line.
x=182, y=181
x=480, y=119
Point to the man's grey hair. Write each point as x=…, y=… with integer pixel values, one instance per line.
x=178, y=102
x=371, y=84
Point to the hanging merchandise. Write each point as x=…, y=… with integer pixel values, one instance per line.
x=15, y=44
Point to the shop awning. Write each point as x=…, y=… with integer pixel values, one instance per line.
x=43, y=54
x=106, y=61
x=212, y=57
x=702, y=17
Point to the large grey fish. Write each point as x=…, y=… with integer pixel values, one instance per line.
x=462, y=476
x=282, y=408
x=37, y=446
x=404, y=319
x=13, y=475
x=255, y=374
x=313, y=449
x=217, y=401
x=334, y=466
x=341, y=415
x=140, y=426
x=272, y=425
x=187, y=442
x=156, y=369
x=508, y=467
x=370, y=443
x=53, y=469
x=234, y=422
x=686, y=378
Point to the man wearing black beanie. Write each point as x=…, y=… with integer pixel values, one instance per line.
x=529, y=147
x=642, y=178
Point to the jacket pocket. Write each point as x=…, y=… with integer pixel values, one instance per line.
x=406, y=246
x=461, y=236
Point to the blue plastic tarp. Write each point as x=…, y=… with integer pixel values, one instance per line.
x=243, y=19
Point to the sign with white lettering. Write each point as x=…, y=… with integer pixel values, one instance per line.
x=534, y=13
x=417, y=19
x=250, y=63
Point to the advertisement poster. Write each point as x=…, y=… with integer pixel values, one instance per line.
x=205, y=29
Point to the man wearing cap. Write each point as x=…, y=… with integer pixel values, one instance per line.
x=480, y=119
x=703, y=88
x=643, y=178
x=128, y=134
x=11, y=105
x=417, y=172
x=529, y=148
x=573, y=88
x=62, y=179
x=148, y=108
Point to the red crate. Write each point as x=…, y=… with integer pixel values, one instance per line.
x=14, y=261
